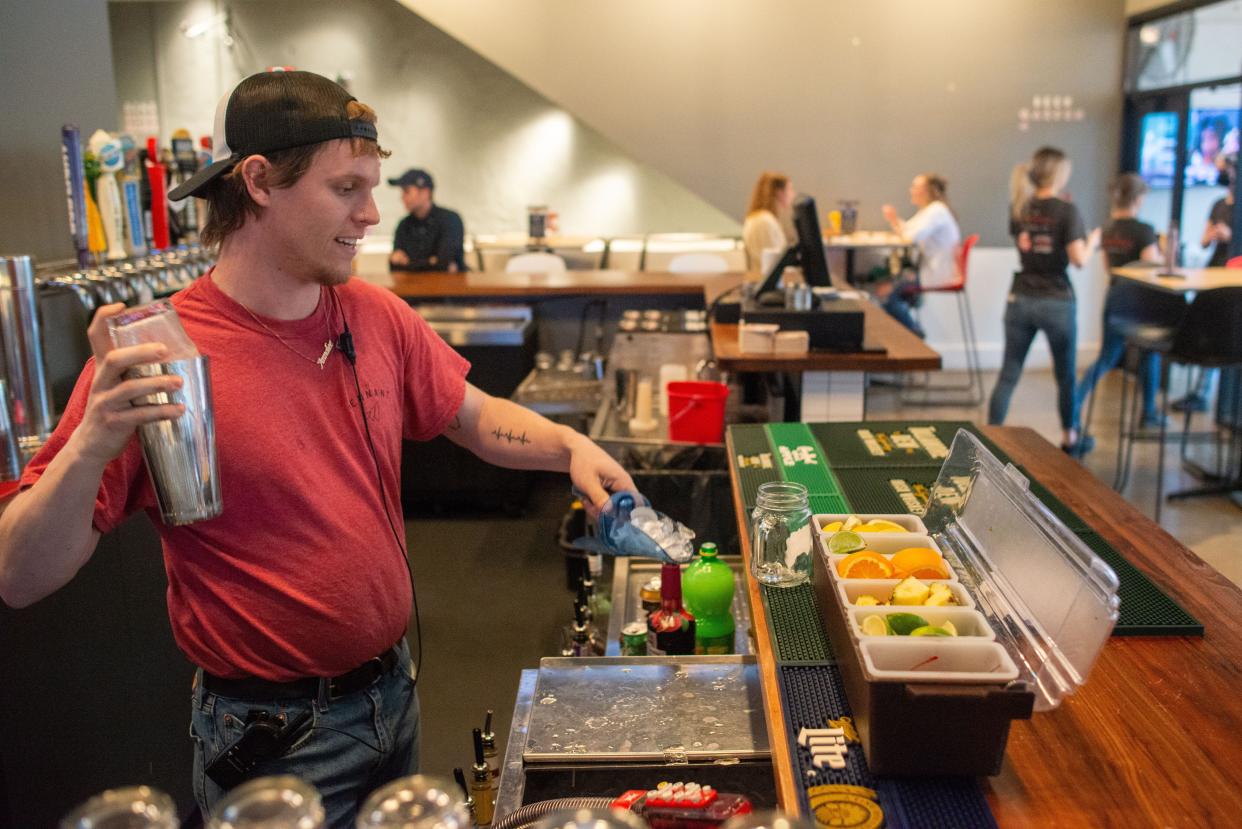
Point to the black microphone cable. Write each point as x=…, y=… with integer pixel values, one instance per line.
x=345, y=343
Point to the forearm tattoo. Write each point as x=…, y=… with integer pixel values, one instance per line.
x=510, y=437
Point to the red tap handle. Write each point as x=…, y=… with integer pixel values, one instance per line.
x=159, y=196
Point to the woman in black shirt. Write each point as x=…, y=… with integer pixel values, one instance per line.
x=1124, y=240
x=1050, y=236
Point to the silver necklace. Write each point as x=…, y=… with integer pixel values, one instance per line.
x=327, y=344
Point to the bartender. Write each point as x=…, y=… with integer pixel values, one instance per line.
x=430, y=238
x=294, y=602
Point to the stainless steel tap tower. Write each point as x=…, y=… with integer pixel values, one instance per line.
x=28, y=400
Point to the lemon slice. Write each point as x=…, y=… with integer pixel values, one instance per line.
x=947, y=625
x=879, y=525
x=845, y=542
x=874, y=626
x=829, y=529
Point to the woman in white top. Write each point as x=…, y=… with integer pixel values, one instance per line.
x=933, y=231
x=770, y=204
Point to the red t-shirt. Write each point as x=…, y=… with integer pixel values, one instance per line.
x=300, y=575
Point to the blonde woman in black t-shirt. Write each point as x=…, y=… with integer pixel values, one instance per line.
x=1049, y=234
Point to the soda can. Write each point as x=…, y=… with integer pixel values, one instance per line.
x=634, y=639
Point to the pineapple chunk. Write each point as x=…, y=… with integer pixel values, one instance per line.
x=910, y=591
x=940, y=595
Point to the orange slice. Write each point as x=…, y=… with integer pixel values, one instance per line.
x=865, y=564
x=921, y=562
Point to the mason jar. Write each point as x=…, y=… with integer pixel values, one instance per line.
x=780, y=551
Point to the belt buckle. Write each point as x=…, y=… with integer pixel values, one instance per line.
x=336, y=692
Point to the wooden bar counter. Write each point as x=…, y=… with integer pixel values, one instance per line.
x=474, y=285
x=1152, y=739
x=833, y=384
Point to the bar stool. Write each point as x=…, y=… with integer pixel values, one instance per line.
x=970, y=394
x=1130, y=309
x=1209, y=336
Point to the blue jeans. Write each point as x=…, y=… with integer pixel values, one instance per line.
x=1026, y=316
x=356, y=743
x=1112, y=352
x=899, y=309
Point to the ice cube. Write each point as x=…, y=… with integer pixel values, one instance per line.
x=644, y=515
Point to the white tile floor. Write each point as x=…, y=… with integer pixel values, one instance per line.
x=1211, y=526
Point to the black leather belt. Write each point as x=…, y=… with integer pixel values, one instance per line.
x=255, y=688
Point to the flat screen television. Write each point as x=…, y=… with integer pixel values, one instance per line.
x=808, y=252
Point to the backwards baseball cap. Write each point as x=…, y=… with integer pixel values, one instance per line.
x=413, y=178
x=274, y=111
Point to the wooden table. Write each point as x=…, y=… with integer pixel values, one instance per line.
x=867, y=239
x=834, y=383
x=863, y=240
x=1186, y=279
x=1152, y=739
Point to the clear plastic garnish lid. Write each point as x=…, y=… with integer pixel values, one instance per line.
x=1051, y=600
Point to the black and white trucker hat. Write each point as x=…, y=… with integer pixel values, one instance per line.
x=274, y=111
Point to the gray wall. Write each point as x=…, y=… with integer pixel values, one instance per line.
x=56, y=62
x=851, y=98
x=493, y=145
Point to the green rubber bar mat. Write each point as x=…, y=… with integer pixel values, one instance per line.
x=894, y=490
x=797, y=632
x=811, y=696
x=875, y=443
x=753, y=460
x=1146, y=610
x=800, y=458
x=829, y=505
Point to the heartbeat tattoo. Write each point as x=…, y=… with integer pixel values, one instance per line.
x=510, y=437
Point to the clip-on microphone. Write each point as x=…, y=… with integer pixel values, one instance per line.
x=345, y=344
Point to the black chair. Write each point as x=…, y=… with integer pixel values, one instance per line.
x=1144, y=314
x=1209, y=336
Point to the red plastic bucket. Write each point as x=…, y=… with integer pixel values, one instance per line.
x=696, y=411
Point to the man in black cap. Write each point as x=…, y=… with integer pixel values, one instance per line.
x=431, y=237
x=294, y=602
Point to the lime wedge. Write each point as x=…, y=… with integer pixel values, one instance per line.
x=845, y=542
x=874, y=626
x=929, y=630
x=947, y=625
x=903, y=623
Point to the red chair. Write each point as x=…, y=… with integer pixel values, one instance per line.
x=1235, y=262
x=973, y=389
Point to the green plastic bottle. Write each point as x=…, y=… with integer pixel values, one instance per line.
x=708, y=585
